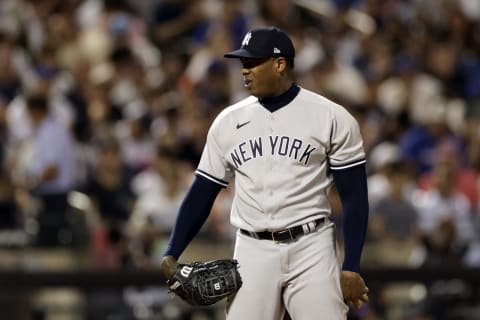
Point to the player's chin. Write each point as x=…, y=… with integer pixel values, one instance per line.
x=254, y=91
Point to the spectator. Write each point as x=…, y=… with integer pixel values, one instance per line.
x=109, y=184
x=50, y=171
x=466, y=181
x=445, y=221
x=409, y=90
x=108, y=187
x=182, y=20
x=159, y=191
x=332, y=75
x=10, y=211
x=3, y=131
x=10, y=83
x=380, y=159
x=393, y=222
x=419, y=142
x=137, y=145
x=280, y=13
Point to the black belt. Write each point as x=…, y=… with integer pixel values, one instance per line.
x=286, y=234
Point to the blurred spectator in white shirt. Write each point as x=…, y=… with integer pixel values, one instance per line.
x=445, y=221
x=136, y=143
x=466, y=178
x=50, y=171
x=160, y=190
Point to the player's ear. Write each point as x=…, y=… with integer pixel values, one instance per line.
x=280, y=65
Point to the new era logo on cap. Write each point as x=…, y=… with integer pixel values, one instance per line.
x=264, y=42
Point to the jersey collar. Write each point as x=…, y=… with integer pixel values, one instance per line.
x=272, y=104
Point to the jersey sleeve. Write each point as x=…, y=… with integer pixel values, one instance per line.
x=213, y=165
x=346, y=145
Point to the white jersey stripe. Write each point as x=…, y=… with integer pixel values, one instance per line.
x=353, y=164
x=211, y=178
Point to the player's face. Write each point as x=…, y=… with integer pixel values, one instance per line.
x=261, y=76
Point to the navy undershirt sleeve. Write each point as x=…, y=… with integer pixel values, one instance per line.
x=351, y=184
x=192, y=214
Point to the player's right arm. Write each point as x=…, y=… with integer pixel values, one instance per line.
x=211, y=176
x=168, y=266
x=193, y=213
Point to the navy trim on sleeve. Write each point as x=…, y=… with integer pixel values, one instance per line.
x=192, y=214
x=351, y=185
x=204, y=174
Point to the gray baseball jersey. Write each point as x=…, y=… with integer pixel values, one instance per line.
x=280, y=160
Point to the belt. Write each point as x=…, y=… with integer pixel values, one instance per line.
x=286, y=235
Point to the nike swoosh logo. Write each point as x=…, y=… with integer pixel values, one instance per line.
x=239, y=125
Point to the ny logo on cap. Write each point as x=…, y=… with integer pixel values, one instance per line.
x=247, y=38
x=276, y=51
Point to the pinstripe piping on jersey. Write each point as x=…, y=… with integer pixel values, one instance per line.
x=348, y=165
x=212, y=178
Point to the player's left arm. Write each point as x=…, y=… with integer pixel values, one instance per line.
x=351, y=185
x=347, y=166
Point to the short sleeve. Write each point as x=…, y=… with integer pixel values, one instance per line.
x=346, y=148
x=213, y=165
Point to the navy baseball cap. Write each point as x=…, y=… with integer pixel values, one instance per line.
x=264, y=42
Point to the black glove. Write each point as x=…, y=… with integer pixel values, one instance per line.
x=205, y=283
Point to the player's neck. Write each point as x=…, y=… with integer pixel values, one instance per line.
x=282, y=88
x=275, y=103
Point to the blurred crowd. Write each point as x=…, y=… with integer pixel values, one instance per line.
x=105, y=105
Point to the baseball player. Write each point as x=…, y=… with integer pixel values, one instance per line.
x=285, y=146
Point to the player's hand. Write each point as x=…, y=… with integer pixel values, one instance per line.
x=355, y=292
x=168, y=265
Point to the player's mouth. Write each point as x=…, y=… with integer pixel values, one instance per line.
x=247, y=83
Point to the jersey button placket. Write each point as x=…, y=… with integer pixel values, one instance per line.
x=270, y=166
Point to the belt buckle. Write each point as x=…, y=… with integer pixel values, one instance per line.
x=283, y=231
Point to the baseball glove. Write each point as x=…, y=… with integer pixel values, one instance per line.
x=205, y=283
